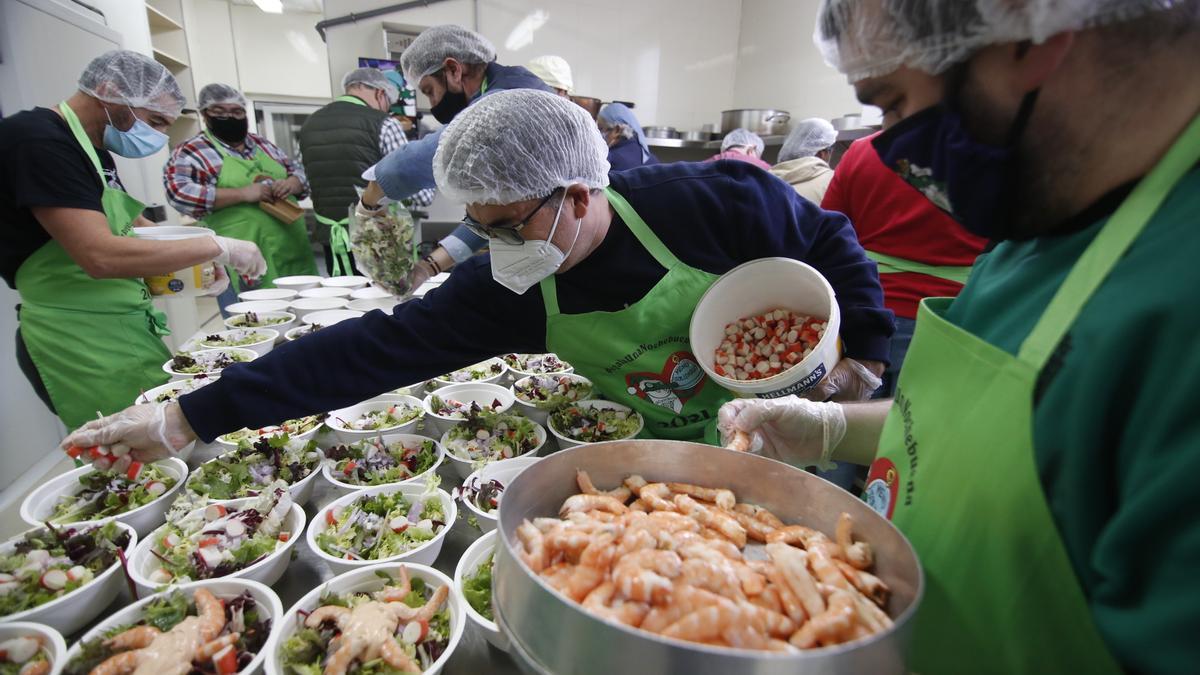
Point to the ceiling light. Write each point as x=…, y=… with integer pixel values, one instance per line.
x=270, y=6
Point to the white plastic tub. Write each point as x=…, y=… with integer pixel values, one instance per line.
x=258, y=306
x=542, y=415
x=371, y=293
x=266, y=344
x=339, y=419
x=282, y=327
x=247, y=354
x=503, y=471
x=298, y=283
x=565, y=442
x=301, y=490
x=53, y=645
x=465, y=467
x=188, y=282
x=328, y=317
x=409, y=440
x=479, y=392
x=305, y=306
x=498, y=378
x=370, y=304
x=325, y=292
x=184, y=386
x=349, y=281
x=284, y=294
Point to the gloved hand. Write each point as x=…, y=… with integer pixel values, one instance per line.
x=242, y=256
x=790, y=429
x=147, y=432
x=849, y=380
x=420, y=273
x=220, y=281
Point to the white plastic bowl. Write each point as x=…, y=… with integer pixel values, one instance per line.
x=72, y=611
x=349, y=281
x=565, y=442
x=347, y=435
x=39, y=504
x=532, y=411
x=151, y=394
x=325, y=292
x=409, y=440
x=225, y=589
x=301, y=490
x=465, y=467
x=498, y=378
x=258, y=306
x=370, y=304
x=370, y=293
x=270, y=335
x=299, y=282
x=305, y=306
x=504, y=471
x=479, y=392
x=306, y=436
x=470, y=561
x=266, y=571
x=328, y=317
x=267, y=294
x=366, y=579
x=424, y=554
x=516, y=374
x=281, y=327
x=248, y=353
x=52, y=641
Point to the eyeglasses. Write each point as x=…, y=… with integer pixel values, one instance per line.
x=509, y=234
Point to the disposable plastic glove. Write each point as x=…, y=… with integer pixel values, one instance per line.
x=242, y=256
x=849, y=380
x=790, y=429
x=220, y=282
x=147, y=432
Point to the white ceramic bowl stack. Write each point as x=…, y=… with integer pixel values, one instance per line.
x=482, y=393
x=305, y=306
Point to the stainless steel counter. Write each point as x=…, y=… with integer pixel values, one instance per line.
x=845, y=135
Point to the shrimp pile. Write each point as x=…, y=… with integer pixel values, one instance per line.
x=671, y=561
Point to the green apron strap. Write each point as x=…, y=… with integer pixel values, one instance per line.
x=339, y=244
x=550, y=295
x=82, y=137
x=225, y=154
x=641, y=230
x=891, y=264
x=483, y=87
x=1125, y=224
x=351, y=99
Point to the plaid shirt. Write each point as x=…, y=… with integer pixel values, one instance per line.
x=191, y=174
x=391, y=137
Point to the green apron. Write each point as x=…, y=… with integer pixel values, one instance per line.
x=641, y=356
x=339, y=236
x=889, y=264
x=96, y=342
x=284, y=246
x=956, y=472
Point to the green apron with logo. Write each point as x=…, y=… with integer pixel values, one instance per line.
x=641, y=356
x=956, y=473
x=284, y=246
x=889, y=264
x=339, y=236
x=97, y=343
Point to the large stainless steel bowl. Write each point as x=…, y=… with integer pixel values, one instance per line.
x=552, y=635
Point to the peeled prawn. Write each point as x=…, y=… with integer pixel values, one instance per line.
x=584, y=503
x=760, y=514
x=868, y=584
x=755, y=529
x=718, y=520
x=645, y=575
x=712, y=621
x=721, y=497
x=829, y=627
x=857, y=554
x=534, y=544
x=586, y=487
x=657, y=496
x=740, y=441
x=792, y=564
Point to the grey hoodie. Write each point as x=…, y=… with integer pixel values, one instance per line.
x=809, y=176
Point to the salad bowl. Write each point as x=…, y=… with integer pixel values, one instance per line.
x=276, y=321
x=174, y=389
x=328, y=317
x=267, y=294
x=258, y=340
x=473, y=584
x=302, y=429
x=524, y=365
x=325, y=292
x=483, y=490
x=246, y=472
x=305, y=306
x=210, y=362
x=491, y=371
x=539, y=395
x=373, y=461
x=50, y=646
x=258, y=306
x=448, y=406
x=577, y=424
x=477, y=441
x=387, y=414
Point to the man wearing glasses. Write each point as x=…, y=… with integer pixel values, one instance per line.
x=619, y=261
x=222, y=174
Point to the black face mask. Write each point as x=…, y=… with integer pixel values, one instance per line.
x=451, y=104
x=231, y=130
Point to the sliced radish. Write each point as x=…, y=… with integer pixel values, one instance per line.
x=214, y=511
x=102, y=463
x=399, y=524
x=39, y=556
x=235, y=528
x=54, y=580
x=79, y=573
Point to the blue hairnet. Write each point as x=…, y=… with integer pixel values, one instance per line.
x=619, y=113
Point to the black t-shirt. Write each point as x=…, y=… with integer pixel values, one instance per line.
x=43, y=165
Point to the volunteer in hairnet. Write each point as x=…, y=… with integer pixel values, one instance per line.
x=453, y=67
x=627, y=147
x=1042, y=449
x=220, y=176
x=804, y=158
x=602, y=269
x=742, y=145
x=89, y=339
x=555, y=72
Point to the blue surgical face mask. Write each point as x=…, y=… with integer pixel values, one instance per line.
x=139, y=140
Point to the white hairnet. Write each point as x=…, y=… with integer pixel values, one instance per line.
x=373, y=78
x=807, y=138
x=132, y=79
x=219, y=94
x=433, y=46
x=554, y=71
x=519, y=144
x=870, y=38
x=742, y=137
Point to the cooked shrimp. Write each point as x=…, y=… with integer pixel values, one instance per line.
x=587, y=488
x=716, y=576
x=868, y=584
x=645, y=575
x=134, y=638
x=712, y=621
x=534, y=554
x=857, y=554
x=792, y=607
x=635, y=483
x=796, y=535
x=718, y=520
x=685, y=599
x=425, y=612
x=657, y=496
x=721, y=497
x=635, y=539
x=396, y=592
x=639, y=505
x=759, y=513
x=740, y=441
x=832, y=626
x=568, y=543
x=792, y=564
x=593, y=567
x=755, y=529
x=674, y=522
x=320, y=615
x=584, y=503
x=770, y=599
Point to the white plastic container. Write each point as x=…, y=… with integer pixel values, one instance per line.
x=325, y=292
x=266, y=571
x=409, y=440
x=339, y=419
x=349, y=281
x=479, y=392
x=72, y=611
x=305, y=306
x=53, y=645
x=298, y=283
x=301, y=490
x=370, y=293
x=282, y=327
x=328, y=317
x=187, y=386
x=224, y=589
x=424, y=554
x=498, y=378
x=503, y=471
x=39, y=504
x=369, y=304
x=284, y=294
x=247, y=354
x=266, y=344
x=366, y=579
x=515, y=373
x=188, y=282
x=468, y=564
x=540, y=415
x=258, y=306
x=756, y=287
x=564, y=442
x=465, y=467
x=270, y=431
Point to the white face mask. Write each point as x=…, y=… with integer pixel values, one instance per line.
x=519, y=267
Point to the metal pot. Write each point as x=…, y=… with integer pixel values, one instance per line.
x=588, y=103
x=549, y=634
x=762, y=121
x=660, y=132
x=697, y=136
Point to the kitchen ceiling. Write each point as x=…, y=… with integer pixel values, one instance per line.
x=293, y=5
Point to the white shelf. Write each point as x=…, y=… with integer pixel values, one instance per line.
x=173, y=63
x=159, y=21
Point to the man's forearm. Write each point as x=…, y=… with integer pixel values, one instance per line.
x=864, y=423
x=229, y=197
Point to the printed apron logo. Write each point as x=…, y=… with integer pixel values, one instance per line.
x=883, y=485
x=681, y=379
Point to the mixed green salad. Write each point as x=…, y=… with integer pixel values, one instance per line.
x=537, y=364
x=592, y=425
x=372, y=462
x=215, y=541
x=182, y=387
x=206, y=361
x=459, y=410
x=551, y=392
x=382, y=526
x=297, y=333
x=112, y=492
x=394, y=415
x=24, y=655
x=477, y=588
x=294, y=427
x=235, y=338
x=49, y=562
x=167, y=610
x=256, y=320
x=252, y=468
x=487, y=437
x=306, y=651
x=479, y=371
x=485, y=495
x=385, y=248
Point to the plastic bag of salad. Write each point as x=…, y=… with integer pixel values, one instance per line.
x=385, y=247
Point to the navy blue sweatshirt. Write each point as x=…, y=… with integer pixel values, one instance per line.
x=713, y=216
x=627, y=154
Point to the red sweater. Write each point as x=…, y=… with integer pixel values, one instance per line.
x=893, y=218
